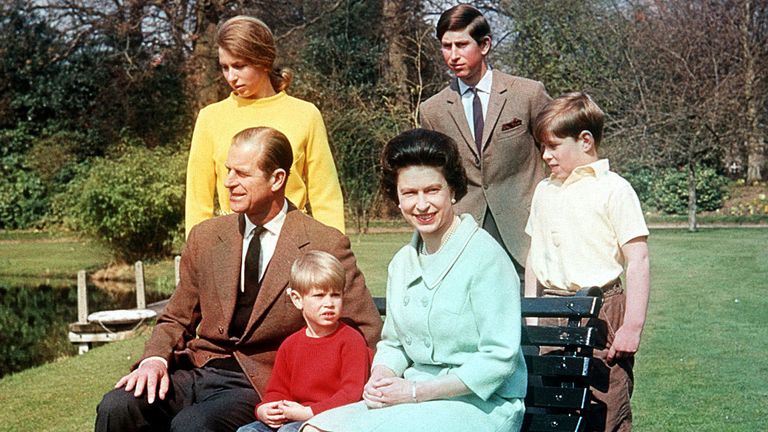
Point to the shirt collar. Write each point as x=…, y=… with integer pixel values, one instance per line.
x=484, y=85
x=274, y=225
x=594, y=169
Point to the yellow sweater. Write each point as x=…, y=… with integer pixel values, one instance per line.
x=313, y=178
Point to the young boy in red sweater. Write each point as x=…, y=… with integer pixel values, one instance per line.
x=322, y=366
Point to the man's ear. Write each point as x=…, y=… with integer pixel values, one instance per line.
x=485, y=45
x=278, y=179
x=295, y=298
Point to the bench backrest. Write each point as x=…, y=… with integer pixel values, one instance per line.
x=558, y=383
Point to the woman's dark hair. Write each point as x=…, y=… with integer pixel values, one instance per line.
x=462, y=17
x=422, y=147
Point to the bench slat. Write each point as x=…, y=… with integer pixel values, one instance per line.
x=559, y=336
x=556, y=365
x=557, y=397
x=381, y=305
x=553, y=423
x=571, y=307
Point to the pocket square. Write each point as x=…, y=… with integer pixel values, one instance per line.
x=513, y=124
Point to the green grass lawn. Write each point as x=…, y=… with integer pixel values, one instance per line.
x=701, y=365
x=33, y=258
x=702, y=362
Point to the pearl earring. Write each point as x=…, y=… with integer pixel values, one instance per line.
x=453, y=200
x=399, y=206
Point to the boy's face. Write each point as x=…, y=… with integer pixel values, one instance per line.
x=321, y=309
x=563, y=155
x=464, y=56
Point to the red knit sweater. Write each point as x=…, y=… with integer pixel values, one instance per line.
x=321, y=373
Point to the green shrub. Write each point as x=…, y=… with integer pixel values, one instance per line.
x=666, y=190
x=23, y=197
x=134, y=203
x=641, y=178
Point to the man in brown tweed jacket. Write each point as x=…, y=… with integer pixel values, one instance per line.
x=501, y=158
x=212, y=350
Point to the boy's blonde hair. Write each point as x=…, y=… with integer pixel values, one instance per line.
x=317, y=269
x=567, y=116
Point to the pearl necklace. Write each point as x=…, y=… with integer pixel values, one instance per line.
x=451, y=230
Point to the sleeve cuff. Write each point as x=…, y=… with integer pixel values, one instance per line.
x=165, y=362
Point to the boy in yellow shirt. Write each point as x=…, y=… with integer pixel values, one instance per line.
x=586, y=226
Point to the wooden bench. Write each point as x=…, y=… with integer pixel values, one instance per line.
x=558, y=384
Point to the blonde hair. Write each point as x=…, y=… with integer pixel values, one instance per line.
x=317, y=269
x=567, y=116
x=250, y=39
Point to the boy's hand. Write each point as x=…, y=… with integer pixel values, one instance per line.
x=295, y=411
x=625, y=344
x=271, y=414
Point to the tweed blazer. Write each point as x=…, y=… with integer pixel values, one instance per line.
x=194, y=326
x=503, y=179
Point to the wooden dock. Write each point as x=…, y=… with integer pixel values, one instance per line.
x=113, y=325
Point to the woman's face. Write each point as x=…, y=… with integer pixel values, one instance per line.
x=246, y=79
x=425, y=199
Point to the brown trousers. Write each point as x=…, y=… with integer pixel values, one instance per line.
x=612, y=384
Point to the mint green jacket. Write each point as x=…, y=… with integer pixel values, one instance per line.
x=456, y=311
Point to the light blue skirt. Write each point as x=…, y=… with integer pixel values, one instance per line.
x=460, y=414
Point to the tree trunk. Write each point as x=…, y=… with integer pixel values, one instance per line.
x=203, y=83
x=692, y=226
x=396, y=67
x=754, y=139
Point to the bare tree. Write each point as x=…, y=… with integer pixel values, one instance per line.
x=753, y=37
x=690, y=84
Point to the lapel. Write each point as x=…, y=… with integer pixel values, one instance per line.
x=456, y=111
x=293, y=237
x=227, y=254
x=442, y=262
x=499, y=94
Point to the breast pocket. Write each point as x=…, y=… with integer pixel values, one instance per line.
x=512, y=132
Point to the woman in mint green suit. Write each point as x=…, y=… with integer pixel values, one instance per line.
x=449, y=358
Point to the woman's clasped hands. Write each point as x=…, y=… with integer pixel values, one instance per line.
x=384, y=389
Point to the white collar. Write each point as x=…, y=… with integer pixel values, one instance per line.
x=484, y=85
x=274, y=225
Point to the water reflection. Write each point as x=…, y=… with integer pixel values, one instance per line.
x=34, y=318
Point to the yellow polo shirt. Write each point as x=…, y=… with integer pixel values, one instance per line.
x=577, y=227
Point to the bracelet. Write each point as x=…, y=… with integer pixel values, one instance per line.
x=413, y=392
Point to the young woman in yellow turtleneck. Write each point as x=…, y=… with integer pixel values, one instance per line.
x=246, y=55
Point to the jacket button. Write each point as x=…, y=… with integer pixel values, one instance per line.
x=408, y=340
x=485, y=186
x=406, y=299
x=427, y=343
x=424, y=301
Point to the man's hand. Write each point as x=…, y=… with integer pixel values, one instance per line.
x=295, y=411
x=271, y=414
x=148, y=375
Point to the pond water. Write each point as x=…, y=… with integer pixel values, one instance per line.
x=34, y=318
